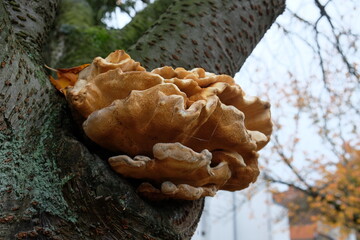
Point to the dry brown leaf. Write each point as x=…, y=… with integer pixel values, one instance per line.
x=66, y=77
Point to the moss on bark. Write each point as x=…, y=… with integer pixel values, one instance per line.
x=79, y=38
x=88, y=43
x=75, y=13
x=30, y=172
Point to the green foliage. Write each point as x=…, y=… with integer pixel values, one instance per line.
x=101, y=7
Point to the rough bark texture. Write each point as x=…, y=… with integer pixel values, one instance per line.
x=54, y=184
x=215, y=35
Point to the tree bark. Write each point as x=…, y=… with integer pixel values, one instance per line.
x=54, y=184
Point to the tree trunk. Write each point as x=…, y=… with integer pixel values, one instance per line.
x=56, y=185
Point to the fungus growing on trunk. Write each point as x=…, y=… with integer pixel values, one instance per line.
x=185, y=133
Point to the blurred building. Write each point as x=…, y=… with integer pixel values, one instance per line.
x=316, y=231
x=302, y=225
x=246, y=215
x=257, y=214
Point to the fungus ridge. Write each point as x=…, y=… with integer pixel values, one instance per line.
x=186, y=133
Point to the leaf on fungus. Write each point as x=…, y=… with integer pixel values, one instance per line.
x=66, y=77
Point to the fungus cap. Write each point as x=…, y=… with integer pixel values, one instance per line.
x=186, y=133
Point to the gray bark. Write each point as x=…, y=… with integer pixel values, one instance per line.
x=54, y=184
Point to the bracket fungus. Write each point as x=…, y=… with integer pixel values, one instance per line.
x=186, y=134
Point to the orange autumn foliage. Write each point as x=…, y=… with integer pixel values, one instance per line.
x=338, y=199
x=334, y=199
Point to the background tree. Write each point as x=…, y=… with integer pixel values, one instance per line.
x=334, y=200
x=314, y=50
x=53, y=183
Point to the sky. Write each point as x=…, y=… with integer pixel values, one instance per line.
x=284, y=57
